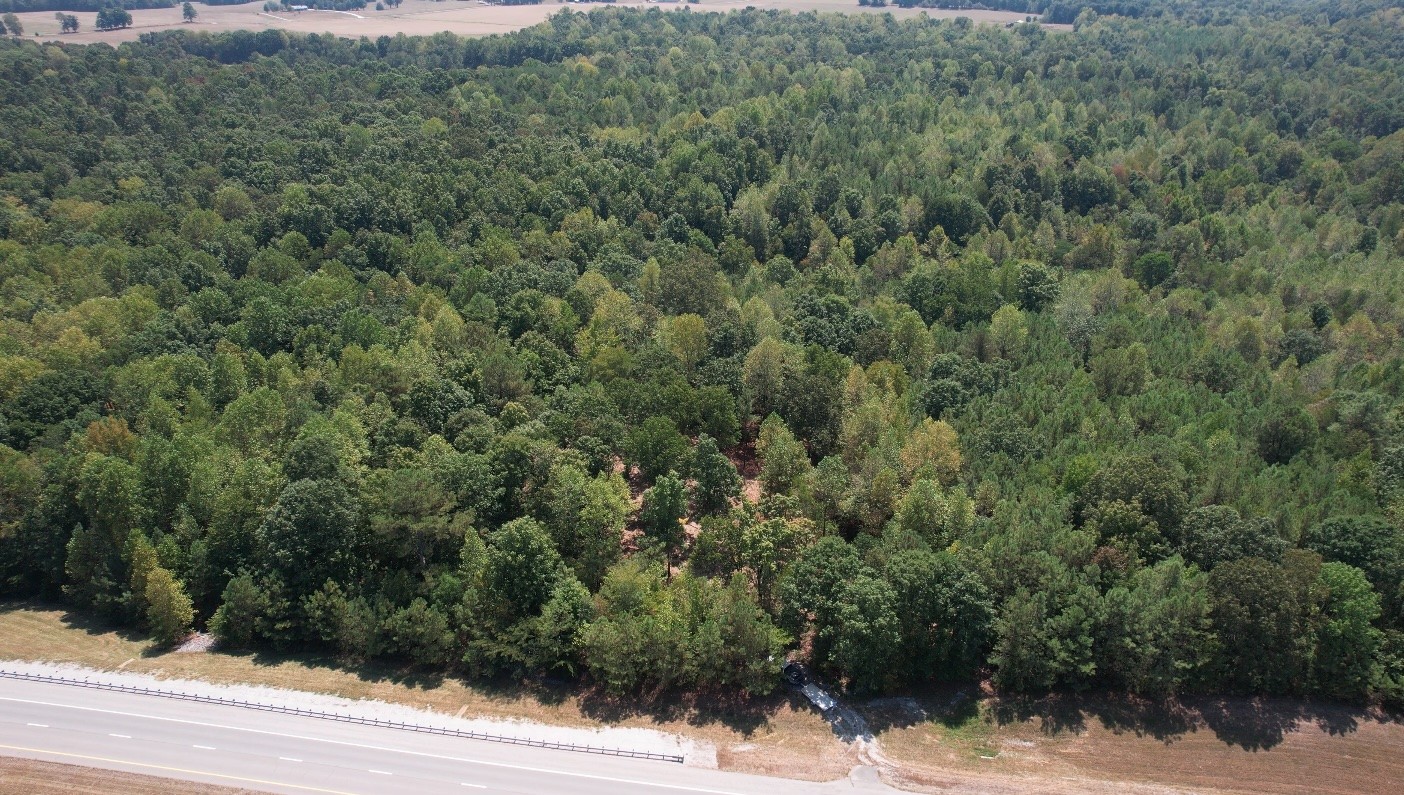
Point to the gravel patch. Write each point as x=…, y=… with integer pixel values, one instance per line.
x=196, y=643
x=697, y=754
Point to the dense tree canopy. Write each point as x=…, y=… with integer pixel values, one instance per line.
x=645, y=347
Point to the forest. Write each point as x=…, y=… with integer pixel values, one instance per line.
x=643, y=349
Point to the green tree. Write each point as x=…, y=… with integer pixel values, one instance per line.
x=638, y=643
x=656, y=447
x=928, y=512
x=865, y=637
x=1256, y=615
x=1121, y=371
x=1157, y=487
x=556, y=645
x=523, y=568
x=1371, y=544
x=663, y=514
x=783, y=458
x=1047, y=639
x=244, y=605
x=1038, y=286
x=141, y=561
x=1008, y=332
x=1285, y=432
x=735, y=645
x=945, y=613
x=1215, y=534
x=717, y=409
x=810, y=587
x=349, y=625
x=420, y=632
x=412, y=514
x=113, y=17
x=169, y=610
x=1347, y=641
x=1157, y=631
x=717, y=480
x=188, y=12
x=94, y=571
x=605, y=507
x=21, y=483
x=314, y=533
x=687, y=340
x=312, y=456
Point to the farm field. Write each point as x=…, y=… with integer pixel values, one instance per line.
x=419, y=18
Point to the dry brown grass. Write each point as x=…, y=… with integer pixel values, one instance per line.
x=1213, y=745
x=32, y=777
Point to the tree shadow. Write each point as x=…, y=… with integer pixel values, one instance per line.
x=1250, y=723
x=736, y=711
x=88, y=623
x=1256, y=724
x=372, y=672
x=951, y=706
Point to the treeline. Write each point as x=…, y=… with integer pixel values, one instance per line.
x=1067, y=12
x=1056, y=11
x=645, y=348
x=20, y=6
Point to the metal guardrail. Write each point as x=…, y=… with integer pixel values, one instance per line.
x=308, y=713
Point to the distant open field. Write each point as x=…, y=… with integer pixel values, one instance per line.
x=419, y=18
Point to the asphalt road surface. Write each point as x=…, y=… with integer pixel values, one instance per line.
x=297, y=755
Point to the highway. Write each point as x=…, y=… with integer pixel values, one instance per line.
x=271, y=752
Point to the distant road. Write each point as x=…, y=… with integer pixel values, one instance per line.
x=297, y=755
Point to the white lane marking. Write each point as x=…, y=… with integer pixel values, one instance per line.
x=367, y=746
x=289, y=759
x=121, y=736
x=38, y=725
x=205, y=747
x=474, y=786
x=381, y=772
